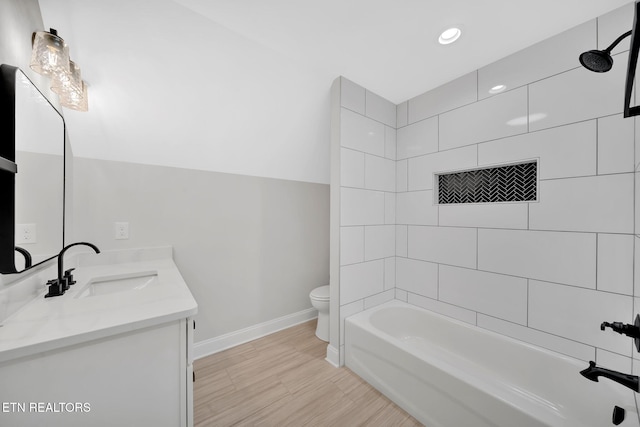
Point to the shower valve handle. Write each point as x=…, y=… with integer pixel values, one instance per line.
x=632, y=331
x=619, y=327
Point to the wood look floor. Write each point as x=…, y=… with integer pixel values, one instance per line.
x=283, y=380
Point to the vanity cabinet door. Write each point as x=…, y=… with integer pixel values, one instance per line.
x=136, y=378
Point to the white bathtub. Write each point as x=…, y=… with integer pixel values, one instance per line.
x=447, y=373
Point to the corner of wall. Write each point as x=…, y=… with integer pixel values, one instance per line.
x=334, y=220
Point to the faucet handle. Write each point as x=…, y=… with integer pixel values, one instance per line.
x=632, y=331
x=69, y=277
x=55, y=288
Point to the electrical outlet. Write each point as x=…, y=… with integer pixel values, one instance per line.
x=122, y=230
x=25, y=234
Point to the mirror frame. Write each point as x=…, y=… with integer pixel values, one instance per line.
x=8, y=169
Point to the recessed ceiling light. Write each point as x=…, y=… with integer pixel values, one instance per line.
x=497, y=89
x=449, y=36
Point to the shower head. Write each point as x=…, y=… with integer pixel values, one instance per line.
x=600, y=61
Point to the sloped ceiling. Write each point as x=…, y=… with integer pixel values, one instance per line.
x=242, y=86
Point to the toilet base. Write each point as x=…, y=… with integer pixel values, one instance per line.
x=322, y=330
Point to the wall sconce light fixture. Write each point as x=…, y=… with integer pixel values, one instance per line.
x=50, y=57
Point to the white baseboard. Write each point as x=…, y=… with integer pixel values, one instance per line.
x=333, y=356
x=232, y=339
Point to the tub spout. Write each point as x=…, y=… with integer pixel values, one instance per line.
x=593, y=372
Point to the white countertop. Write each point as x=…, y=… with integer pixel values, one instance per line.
x=49, y=323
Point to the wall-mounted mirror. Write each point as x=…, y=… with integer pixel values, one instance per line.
x=32, y=141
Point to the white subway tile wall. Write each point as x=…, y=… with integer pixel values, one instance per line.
x=418, y=138
x=368, y=185
x=564, y=151
x=615, y=263
x=497, y=117
x=402, y=114
x=418, y=277
x=546, y=272
x=352, y=96
x=596, y=203
x=615, y=145
x=380, y=109
x=544, y=59
x=577, y=95
x=351, y=245
x=416, y=207
x=459, y=92
x=358, y=281
x=422, y=168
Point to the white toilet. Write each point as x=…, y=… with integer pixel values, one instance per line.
x=320, y=301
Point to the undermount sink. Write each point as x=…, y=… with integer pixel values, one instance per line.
x=118, y=283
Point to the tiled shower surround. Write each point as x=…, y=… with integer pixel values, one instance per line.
x=547, y=272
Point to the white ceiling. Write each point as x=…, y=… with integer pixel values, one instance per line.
x=390, y=46
x=242, y=86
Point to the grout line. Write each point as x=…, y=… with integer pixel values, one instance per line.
x=438, y=136
x=518, y=277
x=365, y=103
x=407, y=234
x=477, y=248
x=512, y=136
x=528, y=112
x=597, y=32
x=407, y=116
x=597, y=146
x=527, y=303
x=489, y=167
x=635, y=213
x=516, y=336
x=509, y=229
x=596, y=263
x=438, y=282
x=510, y=90
x=364, y=243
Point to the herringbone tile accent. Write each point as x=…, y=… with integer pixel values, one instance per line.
x=513, y=183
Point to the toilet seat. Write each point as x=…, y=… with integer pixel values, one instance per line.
x=320, y=294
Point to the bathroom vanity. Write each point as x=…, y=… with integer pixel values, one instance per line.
x=115, y=349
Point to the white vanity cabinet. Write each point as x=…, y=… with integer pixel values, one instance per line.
x=137, y=378
x=116, y=358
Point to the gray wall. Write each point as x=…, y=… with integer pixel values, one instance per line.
x=250, y=249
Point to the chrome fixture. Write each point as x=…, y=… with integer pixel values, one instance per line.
x=600, y=61
x=593, y=372
x=61, y=284
x=50, y=57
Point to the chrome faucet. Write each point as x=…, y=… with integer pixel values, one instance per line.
x=593, y=372
x=59, y=285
